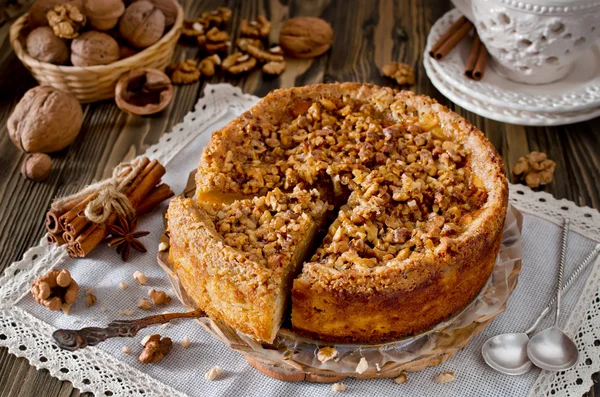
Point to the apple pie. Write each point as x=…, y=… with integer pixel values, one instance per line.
x=376, y=213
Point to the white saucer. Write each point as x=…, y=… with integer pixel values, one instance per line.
x=498, y=113
x=579, y=90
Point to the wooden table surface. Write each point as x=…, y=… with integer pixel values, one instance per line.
x=367, y=35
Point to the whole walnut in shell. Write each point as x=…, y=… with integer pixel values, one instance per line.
x=45, y=120
x=37, y=12
x=305, y=37
x=94, y=48
x=142, y=24
x=43, y=45
x=168, y=8
x=103, y=14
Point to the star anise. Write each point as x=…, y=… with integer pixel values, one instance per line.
x=124, y=237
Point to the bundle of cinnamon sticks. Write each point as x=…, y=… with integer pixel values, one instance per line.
x=477, y=60
x=66, y=221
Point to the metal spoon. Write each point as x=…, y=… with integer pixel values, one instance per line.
x=552, y=349
x=507, y=353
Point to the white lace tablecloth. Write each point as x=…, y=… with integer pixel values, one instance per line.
x=26, y=328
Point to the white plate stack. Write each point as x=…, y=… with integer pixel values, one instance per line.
x=572, y=99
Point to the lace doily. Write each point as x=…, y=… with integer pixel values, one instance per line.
x=95, y=370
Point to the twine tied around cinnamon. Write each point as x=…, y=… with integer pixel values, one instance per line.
x=110, y=193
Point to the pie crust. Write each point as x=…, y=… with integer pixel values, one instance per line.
x=410, y=199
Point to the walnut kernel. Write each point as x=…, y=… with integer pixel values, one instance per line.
x=43, y=45
x=184, y=72
x=159, y=297
x=445, y=377
x=237, y=63
x=66, y=20
x=90, y=300
x=274, y=68
x=144, y=303
x=213, y=373
x=535, y=169
x=256, y=29
x=207, y=65
x=37, y=11
x=55, y=290
x=401, y=72
x=155, y=349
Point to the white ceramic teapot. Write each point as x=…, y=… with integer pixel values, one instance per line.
x=534, y=41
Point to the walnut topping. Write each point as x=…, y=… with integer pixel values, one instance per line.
x=155, y=349
x=66, y=20
x=256, y=29
x=401, y=72
x=184, y=72
x=535, y=169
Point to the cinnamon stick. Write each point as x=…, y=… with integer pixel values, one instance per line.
x=477, y=60
x=55, y=212
x=481, y=63
x=68, y=216
x=451, y=38
x=55, y=238
x=140, y=188
x=451, y=30
x=159, y=194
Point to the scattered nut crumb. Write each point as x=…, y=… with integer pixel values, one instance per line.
x=155, y=349
x=213, y=373
x=145, y=340
x=122, y=285
x=362, y=366
x=126, y=312
x=163, y=246
x=140, y=277
x=185, y=342
x=535, y=169
x=377, y=366
x=126, y=350
x=165, y=325
x=444, y=377
x=103, y=309
x=401, y=72
x=89, y=290
x=401, y=379
x=90, y=299
x=159, y=297
x=338, y=387
x=144, y=303
x=326, y=353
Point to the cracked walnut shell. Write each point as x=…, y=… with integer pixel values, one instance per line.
x=535, y=169
x=142, y=24
x=66, y=20
x=143, y=91
x=55, y=289
x=94, y=48
x=401, y=72
x=45, y=120
x=305, y=37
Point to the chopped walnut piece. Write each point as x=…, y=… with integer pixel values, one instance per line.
x=159, y=297
x=193, y=28
x=66, y=20
x=256, y=29
x=144, y=303
x=155, y=349
x=184, y=72
x=207, y=65
x=243, y=42
x=262, y=55
x=213, y=373
x=140, y=277
x=162, y=247
x=401, y=379
x=237, y=63
x=122, y=285
x=338, y=387
x=126, y=350
x=444, y=377
x=55, y=290
x=217, y=17
x=126, y=312
x=326, y=353
x=274, y=68
x=401, y=72
x=185, y=342
x=535, y=169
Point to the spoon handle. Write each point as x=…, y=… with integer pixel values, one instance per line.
x=561, y=266
x=574, y=276
x=73, y=339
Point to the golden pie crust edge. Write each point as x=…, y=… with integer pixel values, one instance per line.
x=391, y=302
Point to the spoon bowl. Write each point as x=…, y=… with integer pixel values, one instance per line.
x=552, y=350
x=507, y=353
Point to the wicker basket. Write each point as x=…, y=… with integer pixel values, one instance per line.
x=94, y=83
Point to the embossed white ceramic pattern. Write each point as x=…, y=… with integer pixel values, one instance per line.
x=579, y=90
x=535, y=41
x=498, y=113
